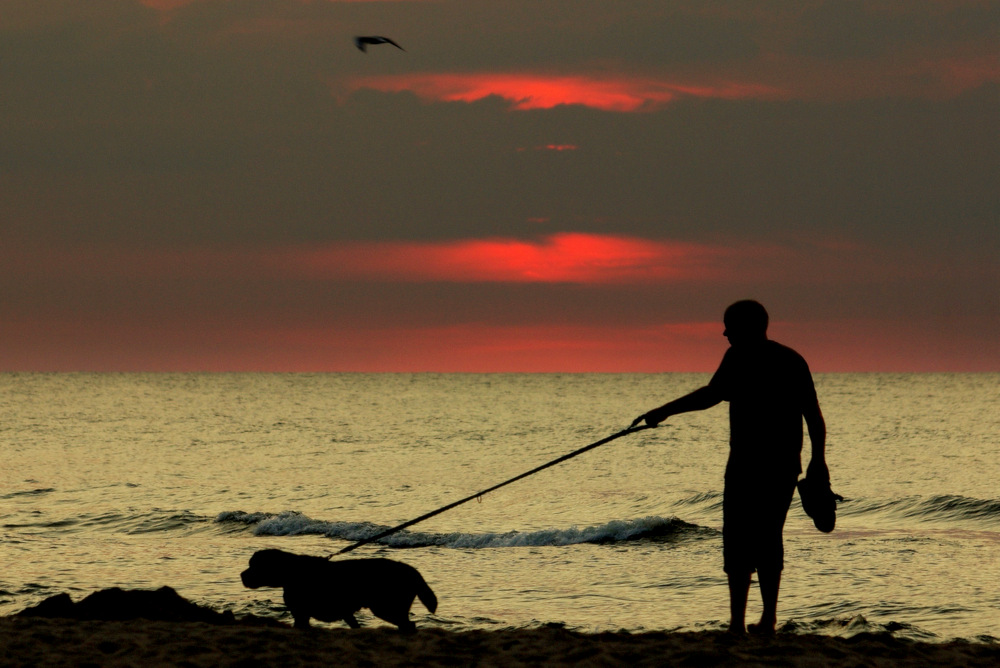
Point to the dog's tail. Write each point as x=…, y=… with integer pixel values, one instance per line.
x=425, y=594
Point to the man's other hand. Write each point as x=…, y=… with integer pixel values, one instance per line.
x=817, y=470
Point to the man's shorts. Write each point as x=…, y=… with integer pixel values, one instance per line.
x=753, y=516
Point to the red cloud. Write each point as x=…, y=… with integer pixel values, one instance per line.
x=538, y=91
x=560, y=258
x=566, y=257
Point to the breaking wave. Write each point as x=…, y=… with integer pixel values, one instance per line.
x=292, y=523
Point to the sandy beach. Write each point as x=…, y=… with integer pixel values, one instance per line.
x=60, y=642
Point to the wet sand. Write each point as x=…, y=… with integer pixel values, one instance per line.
x=62, y=642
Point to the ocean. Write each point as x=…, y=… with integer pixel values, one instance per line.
x=145, y=480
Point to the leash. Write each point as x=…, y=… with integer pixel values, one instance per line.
x=400, y=527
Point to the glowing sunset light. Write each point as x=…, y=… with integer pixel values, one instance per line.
x=538, y=91
x=560, y=258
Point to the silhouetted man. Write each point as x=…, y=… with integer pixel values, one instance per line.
x=769, y=390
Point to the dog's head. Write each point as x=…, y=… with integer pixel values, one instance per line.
x=269, y=568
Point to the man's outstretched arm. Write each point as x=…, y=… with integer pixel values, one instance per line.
x=699, y=400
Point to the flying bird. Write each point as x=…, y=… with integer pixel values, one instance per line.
x=362, y=42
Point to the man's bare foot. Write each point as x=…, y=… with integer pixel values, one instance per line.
x=737, y=629
x=761, y=629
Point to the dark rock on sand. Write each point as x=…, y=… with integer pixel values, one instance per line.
x=115, y=604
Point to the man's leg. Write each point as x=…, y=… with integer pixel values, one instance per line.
x=736, y=500
x=770, y=582
x=739, y=590
x=772, y=557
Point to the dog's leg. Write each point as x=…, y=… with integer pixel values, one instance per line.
x=400, y=618
x=301, y=621
x=352, y=622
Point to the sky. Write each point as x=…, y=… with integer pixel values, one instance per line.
x=524, y=186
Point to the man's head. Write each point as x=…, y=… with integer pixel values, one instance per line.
x=746, y=322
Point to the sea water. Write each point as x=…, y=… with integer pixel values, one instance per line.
x=145, y=480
